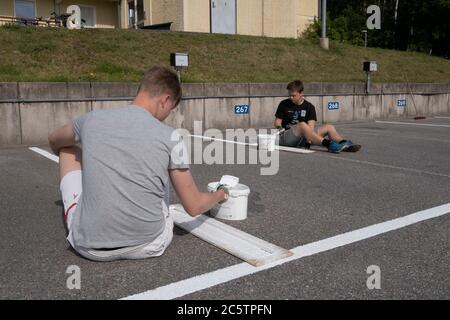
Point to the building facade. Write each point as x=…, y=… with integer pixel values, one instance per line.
x=271, y=18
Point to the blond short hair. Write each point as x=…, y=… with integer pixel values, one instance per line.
x=161, y=80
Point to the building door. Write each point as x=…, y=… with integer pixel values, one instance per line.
x=223, y=16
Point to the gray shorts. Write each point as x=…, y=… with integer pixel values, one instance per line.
x=289, y=139
x=143, y=251
x=71, y=189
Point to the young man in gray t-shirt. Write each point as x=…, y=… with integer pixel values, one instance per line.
x=115, y=187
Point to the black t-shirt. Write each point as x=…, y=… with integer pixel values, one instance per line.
x=291, y=114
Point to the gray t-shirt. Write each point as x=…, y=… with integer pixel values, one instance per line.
x=126, y=155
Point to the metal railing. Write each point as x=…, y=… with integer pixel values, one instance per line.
x=35, y=22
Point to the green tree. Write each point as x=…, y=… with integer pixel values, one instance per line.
x=416, y=25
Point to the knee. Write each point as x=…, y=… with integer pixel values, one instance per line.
x=301, y=127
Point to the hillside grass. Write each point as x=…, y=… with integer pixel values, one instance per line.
x=57, y=54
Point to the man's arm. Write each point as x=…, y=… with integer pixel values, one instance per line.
x=312, y=124
x=61, y=138
x=193, y=201
x=277, y=123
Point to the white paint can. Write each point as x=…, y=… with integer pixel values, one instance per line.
x=266, y=141
x=235, y=208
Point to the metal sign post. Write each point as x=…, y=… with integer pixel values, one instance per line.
x=368, y=67
x=179, y=61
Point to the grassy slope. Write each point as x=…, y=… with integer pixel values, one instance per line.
x=38, y=54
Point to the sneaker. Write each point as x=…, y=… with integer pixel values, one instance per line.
x=351, y=147
x=336, y=147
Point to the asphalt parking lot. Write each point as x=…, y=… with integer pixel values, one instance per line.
x=403, y=168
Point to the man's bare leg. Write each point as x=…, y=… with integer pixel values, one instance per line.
x=302, y=129
x=69, y=160
x=330, y=131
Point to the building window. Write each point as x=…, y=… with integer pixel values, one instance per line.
x=25, y=8
x=88, y=15
x=132, y=11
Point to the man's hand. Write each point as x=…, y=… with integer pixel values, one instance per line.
x=226, y=192
x=193, y=201
x=278, y=123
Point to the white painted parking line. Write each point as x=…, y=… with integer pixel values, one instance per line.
x=441, y=117
x=277, y=147
x=208, y=280
x=249, y=248
x=221, y=140
x=374, y=133
x=45, y=153
x=415, y=124
x=295, y=150
x=392, y=167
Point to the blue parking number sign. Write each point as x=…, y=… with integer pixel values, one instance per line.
x=241, y=109
x=401, y=103
x=333, y=105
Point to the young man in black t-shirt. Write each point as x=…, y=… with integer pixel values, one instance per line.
x=298, y=117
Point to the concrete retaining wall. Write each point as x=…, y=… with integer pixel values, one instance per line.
x=219, y=112
x=190, y=108
x=10, y=127
x=112, y=90
x=367, y=107
x=30, y=111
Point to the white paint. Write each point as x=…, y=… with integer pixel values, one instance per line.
x=267, y=141
x=295, y=150
x=392, y=167
x=235, y=208
x=222, y=140
x=249, y=248
x=229, y=181
x=45, y=153
x=208, y=280
x=277, y=147
x=415, y=124
x=441, y=117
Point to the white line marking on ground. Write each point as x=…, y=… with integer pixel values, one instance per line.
x=415, y=124
x=208, y=280
x=378, y=134
x=442, y=117
x=295, y=150
x=392, y=167
x=45, y=153
x=226, y=141
x=243, y=245
x=197, y=283
x=277, y=147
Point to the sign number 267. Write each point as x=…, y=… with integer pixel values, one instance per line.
x=241, y=109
